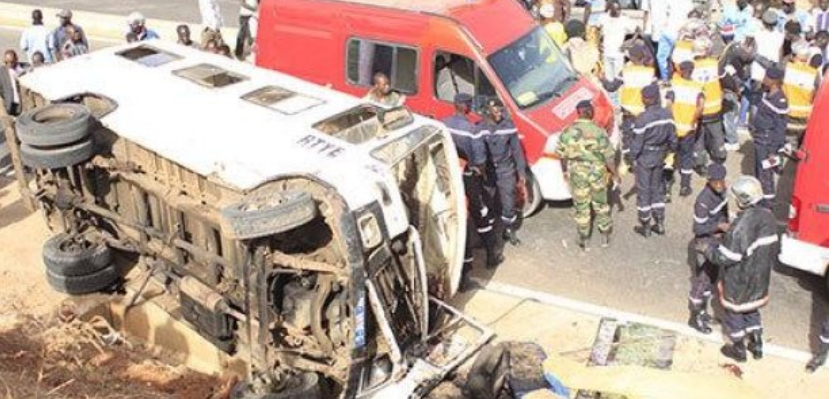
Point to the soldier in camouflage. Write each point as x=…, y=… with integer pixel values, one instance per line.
x=589, y=160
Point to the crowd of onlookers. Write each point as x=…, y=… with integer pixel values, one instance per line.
x=40, y=45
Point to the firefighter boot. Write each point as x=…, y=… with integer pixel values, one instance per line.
x=756, y=345
x=644, y=229
x=819, y=359
x=511, y=237
x=735, y=351
x=699, y=321
x=658, y=228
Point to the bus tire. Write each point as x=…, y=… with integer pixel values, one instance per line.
x=535, y=201
x=267, y=216
x=56, y=158
x=64, y=256
x=54, y=125
x=82, y=285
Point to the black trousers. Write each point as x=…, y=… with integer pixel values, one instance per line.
x=767, y=177
x=685, y=158
x=480, y=216
x=738, y=325
x=507, y=188
x=710, y=142
x=825, y=335
x=649, y=180
x=243, y=38
x=703, y=278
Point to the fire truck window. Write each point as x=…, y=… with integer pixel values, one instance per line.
x=366, y=58
x=453, y=74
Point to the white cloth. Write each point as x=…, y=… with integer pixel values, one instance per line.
x=13, y=75
x=37, y=38
x=248, y=7
x=210, y=14
x=657, y=18
x=769, y=43
x=676, y=16
x=614, y=31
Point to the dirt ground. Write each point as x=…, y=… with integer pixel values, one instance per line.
x=42, y=356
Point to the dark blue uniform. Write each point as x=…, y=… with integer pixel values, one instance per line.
x=505, y=154
x=709, y=212
x=655, y=136
x=769, y=127
x=471, y=147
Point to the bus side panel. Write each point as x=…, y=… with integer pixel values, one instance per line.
x=812, y=181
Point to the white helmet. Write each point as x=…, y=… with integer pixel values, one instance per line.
x=747, y=191
x=136, y=18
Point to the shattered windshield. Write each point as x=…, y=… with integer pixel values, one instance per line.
x=533, y=69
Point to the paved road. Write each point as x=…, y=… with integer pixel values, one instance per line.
x=644, y=277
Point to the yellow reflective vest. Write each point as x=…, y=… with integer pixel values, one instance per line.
x=682, y=52
x=707, y=72
x=635, y=78
x=686, y=94
x=800, y=88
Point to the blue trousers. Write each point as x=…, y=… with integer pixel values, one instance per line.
x=665, y=49
x=731, y=117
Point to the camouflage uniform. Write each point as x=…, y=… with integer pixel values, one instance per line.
x=586, y=149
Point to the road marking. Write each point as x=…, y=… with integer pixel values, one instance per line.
x=605, y=312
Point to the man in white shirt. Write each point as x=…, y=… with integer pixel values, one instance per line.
x=615, y=27
x=37, y=38
x=675, y=17
x=769, y=43
x=247, y=10
x=212, y=21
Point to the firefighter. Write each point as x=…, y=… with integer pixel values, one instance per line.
x=711, y=136
x=768, y=127
x=633, y=78
x=801, y=80
x=654, y=137
x=506, y=156
x=471, y=150
x=745, y=258
x=710, y=222
x=687, y=102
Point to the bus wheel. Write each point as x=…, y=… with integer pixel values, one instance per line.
x=534, y=196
